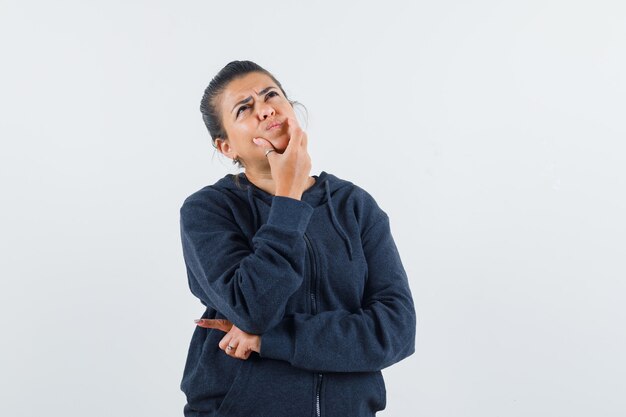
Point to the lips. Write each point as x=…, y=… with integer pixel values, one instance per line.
x=273, y=124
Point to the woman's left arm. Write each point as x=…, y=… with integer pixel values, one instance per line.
x=374, y=337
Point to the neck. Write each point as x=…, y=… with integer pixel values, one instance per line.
x=264, y=181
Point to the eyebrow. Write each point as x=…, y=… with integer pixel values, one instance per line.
x=265, y=90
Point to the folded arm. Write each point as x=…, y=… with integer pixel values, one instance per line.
x=374, y=337
x=249, y=286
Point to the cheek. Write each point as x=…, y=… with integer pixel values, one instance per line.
x=241, y=134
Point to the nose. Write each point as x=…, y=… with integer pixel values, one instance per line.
x=265, y=110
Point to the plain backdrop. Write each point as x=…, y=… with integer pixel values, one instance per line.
x=491, y=132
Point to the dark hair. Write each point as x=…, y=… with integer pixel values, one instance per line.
x=208, y=106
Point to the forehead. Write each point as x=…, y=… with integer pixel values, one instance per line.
x=246, y=86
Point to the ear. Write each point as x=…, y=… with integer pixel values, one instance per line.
x=224, y=147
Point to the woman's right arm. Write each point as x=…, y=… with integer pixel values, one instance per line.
x=249, y=286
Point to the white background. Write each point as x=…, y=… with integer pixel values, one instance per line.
x=491, y=132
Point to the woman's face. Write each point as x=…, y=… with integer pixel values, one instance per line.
x=249, y=106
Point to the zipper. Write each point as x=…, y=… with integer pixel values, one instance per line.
x=317, y=396
x=318, y=376
x=313, y=274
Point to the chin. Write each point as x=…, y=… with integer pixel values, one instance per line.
x=280, y=148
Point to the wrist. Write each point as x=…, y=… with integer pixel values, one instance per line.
x=285, y=193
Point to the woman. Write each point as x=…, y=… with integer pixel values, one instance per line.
x=305, y=293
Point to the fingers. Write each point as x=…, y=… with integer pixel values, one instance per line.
x=303, y=137
x=242, y=351
x=297, y=130
x=305, y=140
x=297, y=138
x=266, y=145
x=220, y=324
x=295, y=133
x=225, y=342
x=239, y=350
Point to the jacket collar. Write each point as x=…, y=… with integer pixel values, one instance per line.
x=317, y=195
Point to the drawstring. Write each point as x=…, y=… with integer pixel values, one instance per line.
x=253, y=207
x=336, y=222
x=333, y=217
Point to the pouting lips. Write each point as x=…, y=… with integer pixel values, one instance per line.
x=273, y=125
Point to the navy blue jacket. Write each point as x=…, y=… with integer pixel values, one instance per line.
x=320, y=279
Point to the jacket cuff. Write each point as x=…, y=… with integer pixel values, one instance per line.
x=277, y=343
x=289, y=213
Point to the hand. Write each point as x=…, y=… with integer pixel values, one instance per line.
x=290, y=169
x=244, y=343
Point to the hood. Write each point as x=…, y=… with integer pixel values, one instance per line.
x=319, y=194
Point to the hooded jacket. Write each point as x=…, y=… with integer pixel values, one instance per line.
x=319, y=279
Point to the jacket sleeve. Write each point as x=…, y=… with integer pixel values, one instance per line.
x=377, y=335
x=249, y=286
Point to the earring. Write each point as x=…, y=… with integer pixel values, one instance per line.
x=235, y=161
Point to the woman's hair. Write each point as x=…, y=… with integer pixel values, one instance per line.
x=209, y=106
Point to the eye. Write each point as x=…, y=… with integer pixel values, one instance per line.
x=245, y=107
x=241, y=108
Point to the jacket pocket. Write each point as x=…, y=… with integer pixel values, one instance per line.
x=383, y=389
x=353, y=394
x=269, y=388
x=235, y=392
x=211, y=377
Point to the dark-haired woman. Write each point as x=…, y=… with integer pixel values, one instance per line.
x=306, y=297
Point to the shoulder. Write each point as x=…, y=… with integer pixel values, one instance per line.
x=215, y=198
x=355, y=197
x=356, y=192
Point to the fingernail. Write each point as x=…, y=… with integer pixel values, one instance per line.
x=197, y=320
